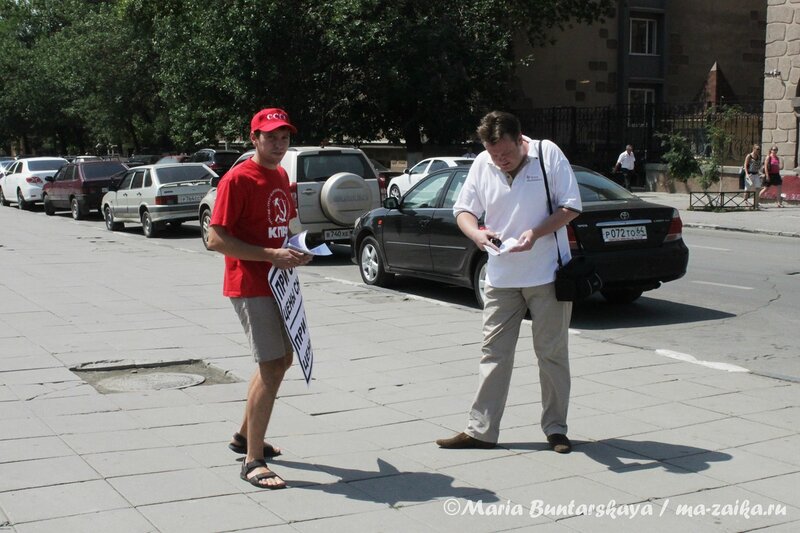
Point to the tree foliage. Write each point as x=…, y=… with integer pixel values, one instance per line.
x=185, y=73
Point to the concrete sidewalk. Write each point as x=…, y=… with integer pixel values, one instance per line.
x=769, y=219
x=658, y=437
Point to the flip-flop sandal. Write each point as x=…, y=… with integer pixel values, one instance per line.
x=269, y=449
x=256, y=479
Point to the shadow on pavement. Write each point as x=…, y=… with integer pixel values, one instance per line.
x=389, y=485
x=641, y=455
x=652, y=454
x=596, y=313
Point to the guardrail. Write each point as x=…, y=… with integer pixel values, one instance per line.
x=723, y=200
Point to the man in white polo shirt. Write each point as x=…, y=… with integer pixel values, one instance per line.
x=625, y=164
x=505, y=185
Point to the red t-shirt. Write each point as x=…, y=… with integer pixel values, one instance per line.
x=254, y=205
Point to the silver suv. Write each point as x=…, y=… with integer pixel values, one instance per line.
x=331, y=188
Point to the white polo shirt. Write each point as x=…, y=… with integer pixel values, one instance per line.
x=626, y=161
x=510, y=210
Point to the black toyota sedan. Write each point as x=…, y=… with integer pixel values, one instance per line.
x=636, y=245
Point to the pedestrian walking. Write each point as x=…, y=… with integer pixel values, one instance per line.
x=625, y=165
x=505, y=185
x=249, y=226
x=772, y=171
x=752, y=169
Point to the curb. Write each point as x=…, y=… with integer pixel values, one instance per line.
x=700, y=225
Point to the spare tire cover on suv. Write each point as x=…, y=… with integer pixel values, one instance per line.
x=344, y=197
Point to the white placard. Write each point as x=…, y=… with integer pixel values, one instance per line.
x=285, y=286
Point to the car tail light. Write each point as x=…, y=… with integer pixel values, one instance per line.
x=213, y=166
x=382, y=183
x=573, y=241
x=166, y=200
x=33, y=179
x=293, y=190
x=675, y=231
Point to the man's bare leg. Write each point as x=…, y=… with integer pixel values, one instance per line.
x=260, y=401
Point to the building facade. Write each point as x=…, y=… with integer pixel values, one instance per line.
x=782, y=80
x=652, y=51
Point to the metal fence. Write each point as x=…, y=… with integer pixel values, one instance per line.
x=595, y=136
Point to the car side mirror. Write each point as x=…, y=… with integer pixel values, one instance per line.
x=391, y=203
x=49, y=179
x=215, y=181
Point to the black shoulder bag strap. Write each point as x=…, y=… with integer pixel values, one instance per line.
x=549, y=203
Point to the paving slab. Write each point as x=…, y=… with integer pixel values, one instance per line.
x=221, y=513
x=119, y=521
x=31, y=505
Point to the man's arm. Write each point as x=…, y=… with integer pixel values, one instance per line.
x=468, y=224
x=223, y=242
x=560, y=217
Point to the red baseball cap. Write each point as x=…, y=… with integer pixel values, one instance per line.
x=271, y=119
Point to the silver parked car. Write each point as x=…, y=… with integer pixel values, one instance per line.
x=154, y=195
x=331, y=188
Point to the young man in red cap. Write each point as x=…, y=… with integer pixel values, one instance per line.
x=249, y=224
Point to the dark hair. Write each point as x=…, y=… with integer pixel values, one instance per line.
x=496, y=124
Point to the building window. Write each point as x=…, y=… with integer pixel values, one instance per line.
x=643, y=37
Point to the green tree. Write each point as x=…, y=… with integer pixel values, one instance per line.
x=679, y=156
x=717, y=118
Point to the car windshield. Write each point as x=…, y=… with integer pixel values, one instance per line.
x=45, y=164
x=319, y=167
x=97, y=171
x=597, y=188
x=226, y=158
x=182, y=173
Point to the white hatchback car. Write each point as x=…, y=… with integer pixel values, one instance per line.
x=154, y=195
x=24, y=180
x=399, y=185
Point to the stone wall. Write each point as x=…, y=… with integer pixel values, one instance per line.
x=657, y=180
x=782, y=72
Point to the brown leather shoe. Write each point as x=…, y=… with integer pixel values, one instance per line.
x=463, y=441
x=559, y=443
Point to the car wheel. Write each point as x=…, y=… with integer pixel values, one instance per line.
x=345, y=197
x=75, y=207
x=149, y=228
x=49, y=210
x=111, y=224
x=479, y=280
x=395, y=191
x=3, y=200
x=205, y=224
x=21, y=203
x=371, y=264
x=624, y=295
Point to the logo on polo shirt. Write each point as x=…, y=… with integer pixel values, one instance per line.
x=278, y=214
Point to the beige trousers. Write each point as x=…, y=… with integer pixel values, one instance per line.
x=502, y=315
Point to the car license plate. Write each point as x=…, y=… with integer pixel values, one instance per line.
x=187, y=198
x=625, y=233
x=337, y=234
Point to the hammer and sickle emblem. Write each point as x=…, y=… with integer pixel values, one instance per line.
x=281, y=211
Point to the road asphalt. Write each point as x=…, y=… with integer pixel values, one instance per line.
x=663, y=442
